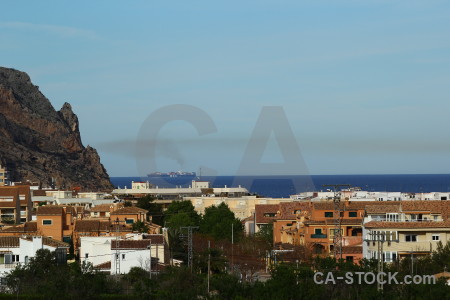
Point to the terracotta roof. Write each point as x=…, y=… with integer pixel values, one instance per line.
x=349, y=205
x=50, y=210
x=352, y=249
x=103, y=266
x=102, y=208
x=438, y=207
x=382, y=209
x=50, y=242
x=39, y=193
x=97, y=226
x=353, y=221
x=156, y=238
x=135, y=244
x=131, y=210
x=287, y=209
x=9, y=242
x=422, y=206
x=92, y=225
x=27, y=227
x=262, y=209
x=408, y=225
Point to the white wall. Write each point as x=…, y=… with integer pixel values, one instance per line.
x=98, y=249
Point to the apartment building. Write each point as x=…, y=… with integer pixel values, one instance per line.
x=15, y=204
x=408, y=228
x=3, y=176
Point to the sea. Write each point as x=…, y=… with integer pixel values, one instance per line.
x=284, y=186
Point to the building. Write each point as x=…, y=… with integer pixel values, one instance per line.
x=104, y=210
x=16, y=250
x=405, y=229
x=242, y=207
x=129, y=215
x=118, y=255
x=15, y=204
x=56, y=222
x=3, y=176
x=197, y=188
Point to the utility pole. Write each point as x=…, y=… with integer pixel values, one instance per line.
x=190, y=246
x=232, y=247
x=117, y=246
x=337, y=240
x=209, y=262
x=150, y=262
x=380, y=238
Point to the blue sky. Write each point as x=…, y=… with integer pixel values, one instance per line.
x=364, y=84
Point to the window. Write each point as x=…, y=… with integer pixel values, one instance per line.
x=435, y=237
x=435, y=218
x=333, y=231
x=318, y=231
x=86, y=255
x=46, y=222
x=411, y=238
x=349, y=258
x=352, y=214
x=123, y=256
x=390, y=256
x=328, y=214
x=129, y=221
x=392, y=217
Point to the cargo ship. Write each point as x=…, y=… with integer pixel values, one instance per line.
x=177, y=174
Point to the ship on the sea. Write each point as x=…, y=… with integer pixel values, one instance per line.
x=172, y=174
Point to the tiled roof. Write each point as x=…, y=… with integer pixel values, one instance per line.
x=92, y=226
x=50, y=210
x=156, y=238
x=352, y=249
x=28, y=227
x=102, y=208
x=50, y=242
x=412, y=206
x=382, y=209
x=97, y=226
x=353, y=221
x=287, y=209
x=426, y=206
x=131, y=210
x=133, y=244
x=349, y=205
x=103, y=266
x=411, y=225
x=9, y=242
x=262, y=209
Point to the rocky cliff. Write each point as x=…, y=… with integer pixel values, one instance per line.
x=40, y=144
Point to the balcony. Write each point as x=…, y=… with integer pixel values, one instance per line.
x=318, y=236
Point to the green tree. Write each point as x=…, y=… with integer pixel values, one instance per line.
x=140, y=226
x=218, y=222
x=154, y=209
x=181, y=213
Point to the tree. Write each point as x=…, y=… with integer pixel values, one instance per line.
x=218, y=222
x=140, y=227
x=180, y=214
x=154, y=210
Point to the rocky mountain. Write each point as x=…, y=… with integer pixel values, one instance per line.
x=40, y=144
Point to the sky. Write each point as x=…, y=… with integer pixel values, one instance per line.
x=359, y=87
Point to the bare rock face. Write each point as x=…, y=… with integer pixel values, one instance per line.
x=40, y=144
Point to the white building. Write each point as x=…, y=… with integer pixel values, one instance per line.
x=118, y=256
x=197, y=188
x=16, y=250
